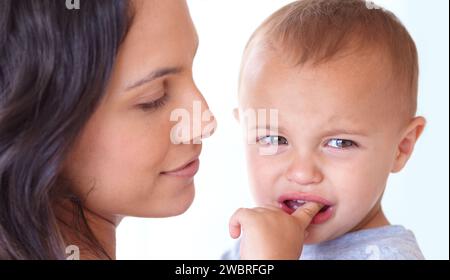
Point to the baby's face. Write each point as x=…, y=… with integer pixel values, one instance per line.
x=335, y=138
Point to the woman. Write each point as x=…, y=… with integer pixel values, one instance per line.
x=86, y=137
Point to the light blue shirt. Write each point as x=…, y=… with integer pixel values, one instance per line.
x=383, y=243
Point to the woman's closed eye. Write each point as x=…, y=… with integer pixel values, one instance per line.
x=155, y=104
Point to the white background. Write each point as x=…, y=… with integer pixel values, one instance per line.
x=417, y=198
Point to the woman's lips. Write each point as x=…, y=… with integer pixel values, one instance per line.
x=324, y=215
x=187, y=171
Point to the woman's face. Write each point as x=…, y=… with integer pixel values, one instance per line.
x=125, y=162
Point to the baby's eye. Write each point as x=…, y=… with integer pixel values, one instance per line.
x=273, y=140
x=341, y=143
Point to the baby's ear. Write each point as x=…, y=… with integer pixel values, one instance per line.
x=407, y=143
x=236, y=114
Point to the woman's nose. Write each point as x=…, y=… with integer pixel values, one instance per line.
x=204, y=123
x=304, y=171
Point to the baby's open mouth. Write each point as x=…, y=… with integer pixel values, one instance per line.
x=290, y=202
x=295, y=204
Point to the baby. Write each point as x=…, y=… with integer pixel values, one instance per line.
x=338, y=80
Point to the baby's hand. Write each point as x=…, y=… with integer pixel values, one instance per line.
x=268, y=233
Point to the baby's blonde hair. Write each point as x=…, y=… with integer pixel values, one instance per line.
x=315, y=31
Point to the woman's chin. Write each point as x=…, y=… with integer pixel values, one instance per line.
x=180, y=208
x=167, y=205
x=176, y=206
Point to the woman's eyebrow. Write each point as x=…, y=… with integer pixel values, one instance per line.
x=155, y=74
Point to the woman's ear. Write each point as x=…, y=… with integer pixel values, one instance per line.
x=236, y=114
x=407, y=143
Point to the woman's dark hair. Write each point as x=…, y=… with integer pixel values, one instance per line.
x=55, y=63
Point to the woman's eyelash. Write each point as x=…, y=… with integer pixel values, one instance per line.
x=154, y=104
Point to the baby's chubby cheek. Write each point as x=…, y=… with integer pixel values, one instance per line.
x=263, y=177
x=354, y=201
